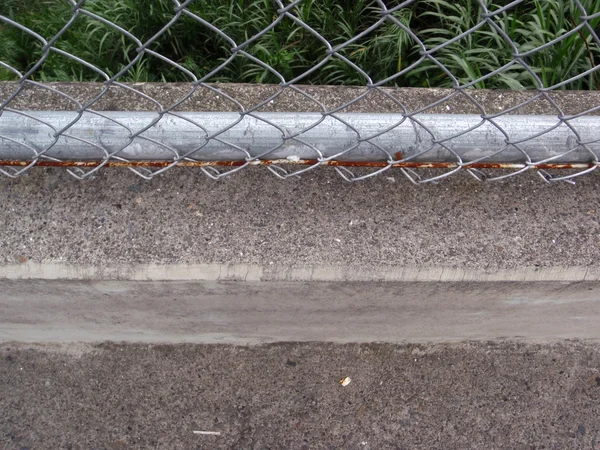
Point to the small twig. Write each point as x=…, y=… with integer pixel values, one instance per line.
x=208, y=433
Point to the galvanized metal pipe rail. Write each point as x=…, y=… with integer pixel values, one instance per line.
x=207, y=138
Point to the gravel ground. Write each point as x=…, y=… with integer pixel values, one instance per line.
x=472, y=395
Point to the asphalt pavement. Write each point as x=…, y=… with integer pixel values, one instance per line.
x=490, y=395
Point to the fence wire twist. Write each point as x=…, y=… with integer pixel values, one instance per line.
x=446, y=158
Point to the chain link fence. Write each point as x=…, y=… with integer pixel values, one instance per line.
x=457, y=52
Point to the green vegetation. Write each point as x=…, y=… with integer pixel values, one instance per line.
x=529, y=25
x=293, y=51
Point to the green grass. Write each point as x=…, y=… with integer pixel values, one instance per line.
x=292, y=51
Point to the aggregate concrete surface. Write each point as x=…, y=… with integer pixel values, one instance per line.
x=255, y=218
x=470, y=395
x=311, y=98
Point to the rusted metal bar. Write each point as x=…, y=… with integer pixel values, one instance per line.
x=305, y=162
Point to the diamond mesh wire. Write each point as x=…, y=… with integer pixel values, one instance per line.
x=450, y=54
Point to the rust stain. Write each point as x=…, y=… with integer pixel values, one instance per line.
x=309, y=162
x=21, y=259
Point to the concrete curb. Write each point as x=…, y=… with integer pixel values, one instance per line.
x=249, y=272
